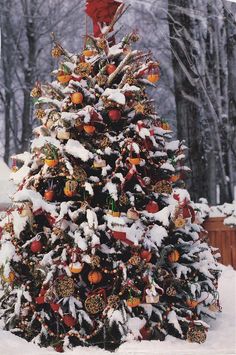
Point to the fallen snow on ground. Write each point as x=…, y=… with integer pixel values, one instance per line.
x=221, y=336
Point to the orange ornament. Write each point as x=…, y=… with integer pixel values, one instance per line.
x=63, y=78
x=153, y=78
x=135, y=161
x=49, y=195
x=114, y=213
x=10, y=278
x=89, y=129
x=95, y=277
x=191, y=303
x=76, y=268
x=89, y=52
x=174, y=256
x=175, y=177
x=51, y=162
x=77, y=98
x=133, y=302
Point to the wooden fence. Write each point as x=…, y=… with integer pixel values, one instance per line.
x=222, y=237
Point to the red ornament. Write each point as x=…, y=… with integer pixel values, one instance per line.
x=36, y=246
x=146, y=255
x=110, y=68
x=69, y=320
x=146, y=333
x=55, y=307
x=59, y=348
x=114, y=115
x=40, y=300
x=152, y=207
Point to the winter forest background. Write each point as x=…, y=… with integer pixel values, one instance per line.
x=195, y=43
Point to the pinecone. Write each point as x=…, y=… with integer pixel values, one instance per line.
x=171, y=291
x=105, y=142
x=196, y=334
x=95, y=304
x=83, y=69
x=102, y=43
x=135, y=260
x=9, y=228
x=56, y=52
x=95, y=261
x=36, y=92
x=124, y=200
x=79, y=174
x=65, y=287
x=134, y=37
x=40, y=113
x=179, y=222
x=163, y=187
x=113, y=301
x=101, y=79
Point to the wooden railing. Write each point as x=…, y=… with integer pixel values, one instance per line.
x=222, y=237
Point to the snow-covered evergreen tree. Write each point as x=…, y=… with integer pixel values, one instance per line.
x=102, y=244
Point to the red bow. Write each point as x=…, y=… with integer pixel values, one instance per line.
x=101, y=12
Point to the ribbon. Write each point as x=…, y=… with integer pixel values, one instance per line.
x=102, y=13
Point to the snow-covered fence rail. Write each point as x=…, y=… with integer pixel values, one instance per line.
x=222, y=237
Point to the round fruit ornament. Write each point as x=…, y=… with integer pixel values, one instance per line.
x=76, y=268
x=110, y=68
x=89, y=52
x=36, y=246
x=114, y=115
x=154, y=74
x=95, y=277
x=174, y=256
x=51, y=162
x=153, y=78
x=146, y=255
x=135, y=161
x=69, y=320
x=70, y=188
x=10, y=278
x=133, y=302
x=191, y=303
x=89, y=129
x=49, y=195
x=152, y=207
x=77, y=98
x=63, y=78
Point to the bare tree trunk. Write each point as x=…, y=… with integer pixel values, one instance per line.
x=186, y=92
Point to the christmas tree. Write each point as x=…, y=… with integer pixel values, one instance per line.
x=101, y=244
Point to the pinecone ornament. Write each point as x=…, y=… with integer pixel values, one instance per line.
x=105, y=142
x=113, y=301
x=135, y=260
x=95, y=304
x=40, y=113
x=36, y=92
x=196, y=334
x=65, y=287
x=171, y=291
x=101, y=79
x=163, y=187
x=124, y=200
x=83, y=69
x=95, y=261
x=56, y=52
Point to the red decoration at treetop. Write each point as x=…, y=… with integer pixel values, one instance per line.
x=101, y=12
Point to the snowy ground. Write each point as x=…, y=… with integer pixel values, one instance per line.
x=221, y=337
